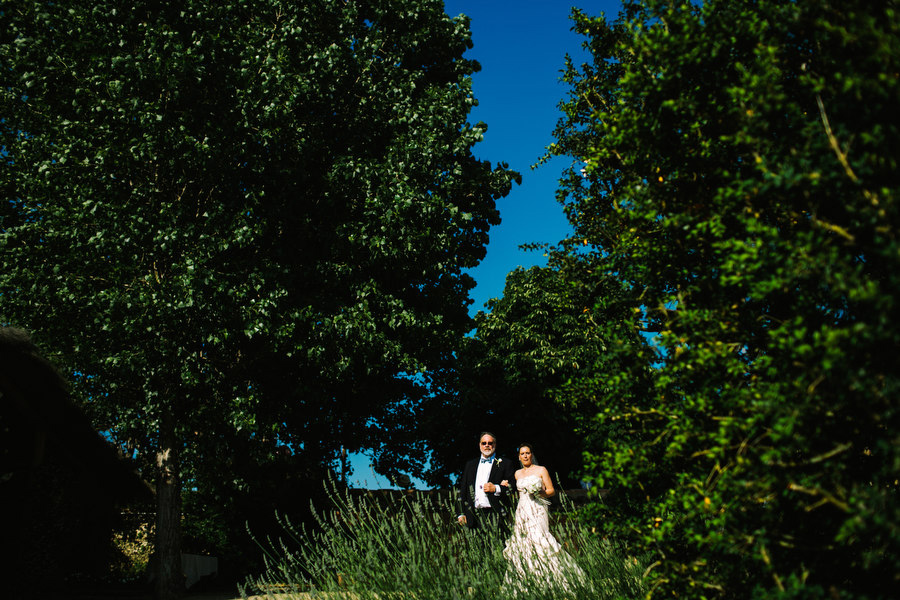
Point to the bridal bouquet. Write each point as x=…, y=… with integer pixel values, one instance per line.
x=532, y=486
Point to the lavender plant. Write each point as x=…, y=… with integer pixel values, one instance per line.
x=364, y=547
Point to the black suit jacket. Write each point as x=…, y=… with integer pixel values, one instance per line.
x=501, y=469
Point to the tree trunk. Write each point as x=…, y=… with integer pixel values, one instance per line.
x=169, y=576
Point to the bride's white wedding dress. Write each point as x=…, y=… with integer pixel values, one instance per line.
x=532, y=551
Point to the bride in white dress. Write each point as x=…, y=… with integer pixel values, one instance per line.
x=534, y=554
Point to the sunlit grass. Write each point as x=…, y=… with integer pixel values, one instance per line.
x=412, y=548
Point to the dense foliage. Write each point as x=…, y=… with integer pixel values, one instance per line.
x=530, y=341
x=735, y=172
x=241, y=226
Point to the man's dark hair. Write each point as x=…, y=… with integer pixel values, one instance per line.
x=484, y=433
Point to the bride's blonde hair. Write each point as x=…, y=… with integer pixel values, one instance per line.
x=530, y=447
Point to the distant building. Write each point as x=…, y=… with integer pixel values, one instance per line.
x=61, y=482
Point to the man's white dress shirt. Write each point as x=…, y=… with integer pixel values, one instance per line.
x=481, y=478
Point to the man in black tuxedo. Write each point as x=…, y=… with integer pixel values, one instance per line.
x=485, y=487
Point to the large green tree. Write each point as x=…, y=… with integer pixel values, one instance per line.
x=736, y=172
x=241, y=220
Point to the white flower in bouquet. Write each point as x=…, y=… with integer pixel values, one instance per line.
x=531, y=485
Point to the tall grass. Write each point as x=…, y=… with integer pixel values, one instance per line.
x=413, y=548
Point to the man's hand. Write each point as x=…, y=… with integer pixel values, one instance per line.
x=489, y=488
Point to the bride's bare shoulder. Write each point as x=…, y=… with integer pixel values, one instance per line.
x=518, y=473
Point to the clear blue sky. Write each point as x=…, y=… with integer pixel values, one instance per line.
x=521, y=45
